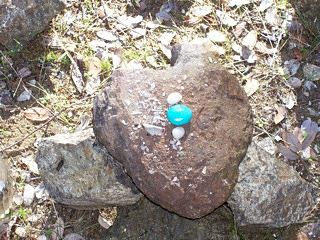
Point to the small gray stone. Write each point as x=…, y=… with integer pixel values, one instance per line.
x=24, y=96
x=269, y=192
x=294, y=82
x=79, y=172
x=291, y=67
x=107, y=35
x=311, y=72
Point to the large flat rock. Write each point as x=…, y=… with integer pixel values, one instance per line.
x=270, y=193
x=79, y=172
x=196, y=175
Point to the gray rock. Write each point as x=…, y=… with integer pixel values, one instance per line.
x=79, y=172
x=311, y=72
x=147, y=221
x=20, y=21
x=294, y=82
x=269, y=192
x=196, y=175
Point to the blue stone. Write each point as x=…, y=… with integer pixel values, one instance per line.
x=179, y=114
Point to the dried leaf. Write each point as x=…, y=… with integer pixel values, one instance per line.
x=37, y=114
x=287, y=153
x=309, y=139
x=167, y=37
x=309, y=126
x=252, y=85
x=293, y=141
x=225, y=19
x=94, y=66
x=191, y=21
x=250, y=39
x=166, y=50
x=138, y=32
x=31, y=164
x=24, y=72
x=262, y=47
x=265, y=4
x=239, y=29
x=238, y=3
x=107, y=35
x=281, y=114
x=76, y=76
x=217, y=36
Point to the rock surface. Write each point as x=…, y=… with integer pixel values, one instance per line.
x=20, y=21
x=79, y=172
x=193, y=176
x=269, y=192
x=147, y=221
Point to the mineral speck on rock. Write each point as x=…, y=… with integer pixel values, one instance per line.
x=215, y=141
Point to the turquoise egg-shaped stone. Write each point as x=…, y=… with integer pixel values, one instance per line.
x=179, y=114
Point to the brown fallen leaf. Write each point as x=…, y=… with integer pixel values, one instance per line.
x=76, y=76
x=94, y=66
x=251, y=86
x=280, y=115
x=262, y=48
x=37, y=114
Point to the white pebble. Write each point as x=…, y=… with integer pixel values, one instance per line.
x=174, y=98
x=28, y=194
x=178, y=133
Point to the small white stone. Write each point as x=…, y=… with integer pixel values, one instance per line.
x=178, y=132
x=28, y=194
x=174, y=98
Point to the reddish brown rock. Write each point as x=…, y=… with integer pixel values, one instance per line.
x=197, y=176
